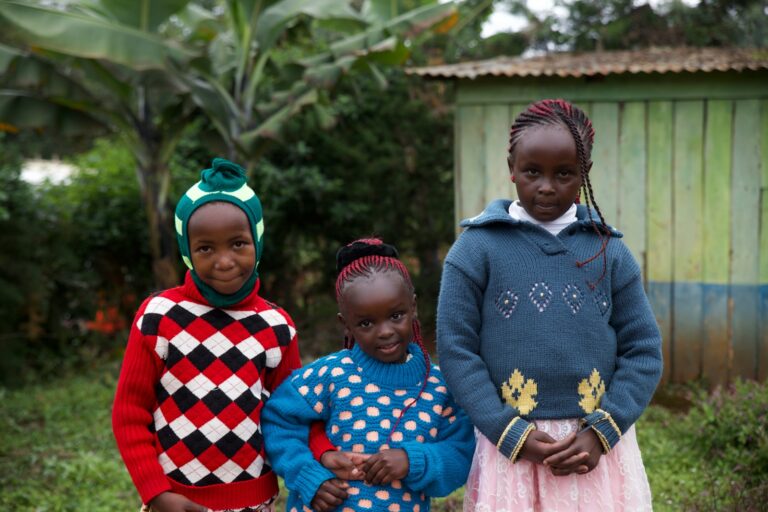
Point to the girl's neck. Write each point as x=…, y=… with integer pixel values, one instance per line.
x=516, y=211
x=406, y=374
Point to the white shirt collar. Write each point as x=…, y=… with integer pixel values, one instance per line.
x=516, y=211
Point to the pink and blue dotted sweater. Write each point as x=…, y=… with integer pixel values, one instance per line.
x=360, y=399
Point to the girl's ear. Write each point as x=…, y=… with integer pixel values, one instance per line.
x=589, y=167
x=510, y=163
x=415, y=308
x=341, y=320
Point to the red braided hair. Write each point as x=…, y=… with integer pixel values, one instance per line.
x=561, y=112
x=377, y=257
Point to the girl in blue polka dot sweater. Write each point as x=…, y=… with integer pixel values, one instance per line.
x=384, y=404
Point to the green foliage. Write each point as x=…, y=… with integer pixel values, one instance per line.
x=57, y=452
x=373, y=173
x=715, y=457
x=590, y=25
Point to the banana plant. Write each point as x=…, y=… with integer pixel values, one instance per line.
x=144, y=69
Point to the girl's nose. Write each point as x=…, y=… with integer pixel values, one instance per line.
x=225, y=262
x=545, y=187
x=386, y=331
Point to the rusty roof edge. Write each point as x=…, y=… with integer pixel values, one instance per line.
x=654, y=60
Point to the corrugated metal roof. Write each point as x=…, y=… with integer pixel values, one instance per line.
x=652, y=60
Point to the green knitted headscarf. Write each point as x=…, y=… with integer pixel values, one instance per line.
x=224, y=181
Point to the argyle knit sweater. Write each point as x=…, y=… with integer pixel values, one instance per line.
x=360, y=399
x=525, y=333
x=194, y=379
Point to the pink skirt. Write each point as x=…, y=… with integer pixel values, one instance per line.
x=618, y=483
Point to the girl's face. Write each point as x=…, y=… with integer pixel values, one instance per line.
x=378, y=312
x=221, y=245
x=545, y=168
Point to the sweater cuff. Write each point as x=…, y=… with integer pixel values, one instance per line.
x=152, y=490
x=309, y=480
x=606, y=429
x=417, y=461
x=513, y=438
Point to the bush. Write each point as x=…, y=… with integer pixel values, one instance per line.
x=730, y=428
x=714, y=456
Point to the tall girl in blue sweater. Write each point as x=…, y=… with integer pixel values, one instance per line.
x=545, y=334
x=384, y=404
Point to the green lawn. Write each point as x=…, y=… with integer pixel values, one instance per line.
x=57, y=451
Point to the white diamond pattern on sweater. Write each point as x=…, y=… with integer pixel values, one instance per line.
x=210, y=386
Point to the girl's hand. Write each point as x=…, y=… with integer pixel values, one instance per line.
x=345, y=465
x=172, y=502
x=582, y=456
x=540, y=445
x=330, y=495
x=386, y=466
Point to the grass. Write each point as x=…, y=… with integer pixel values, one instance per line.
x=57, y=452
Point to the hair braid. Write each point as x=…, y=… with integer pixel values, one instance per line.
x=367, y=265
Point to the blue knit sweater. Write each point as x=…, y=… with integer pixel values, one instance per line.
x=360, y=399
x=522, y=335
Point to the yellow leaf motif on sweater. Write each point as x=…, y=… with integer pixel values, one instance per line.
x=519, y=392
x=591, y=391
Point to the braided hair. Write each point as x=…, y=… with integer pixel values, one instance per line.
x=560, y=112
x=364, y=258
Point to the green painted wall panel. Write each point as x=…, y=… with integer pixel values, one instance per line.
x=762, y=359
x=745, y=234
x=631, y=207
x=605, y=157
x=659, y=222
x=495, y=146
x=717, y=233
x=688, y=139
x=471, y=162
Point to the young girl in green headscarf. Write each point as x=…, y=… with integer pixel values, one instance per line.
x=201, y=360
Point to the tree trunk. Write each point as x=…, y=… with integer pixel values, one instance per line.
x=154, y=177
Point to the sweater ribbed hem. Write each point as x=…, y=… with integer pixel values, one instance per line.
x=309, y=480
x=230, y=495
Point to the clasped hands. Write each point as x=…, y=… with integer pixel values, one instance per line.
x=578, y=453
x=379, y=469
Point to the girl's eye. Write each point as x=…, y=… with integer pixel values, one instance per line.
x=364, y=323
x=203, y=249
x=565, y=173
x=398, y=316
x=240, y=244
x=532, y=172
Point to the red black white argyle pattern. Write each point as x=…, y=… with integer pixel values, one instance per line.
x=211, y=390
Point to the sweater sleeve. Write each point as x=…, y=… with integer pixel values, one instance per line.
x=638, y=358
x=459, y=314
x=286, y=419
x=132, y=421
x=438, y=468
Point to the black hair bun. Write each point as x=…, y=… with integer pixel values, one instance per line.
x=361, y=248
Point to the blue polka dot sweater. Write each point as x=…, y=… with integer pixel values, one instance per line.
x=360, y=399
x=523, y=335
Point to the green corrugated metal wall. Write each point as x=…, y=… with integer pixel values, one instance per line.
x=681, y=167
